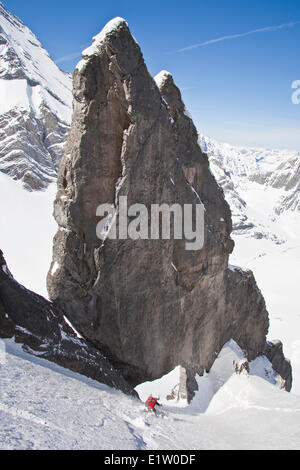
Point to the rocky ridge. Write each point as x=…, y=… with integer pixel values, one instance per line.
x=151, y=303
x=44, y=331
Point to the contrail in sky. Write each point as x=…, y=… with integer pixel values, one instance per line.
x=267, y=29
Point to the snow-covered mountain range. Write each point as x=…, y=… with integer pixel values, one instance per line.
x=35, y=106
x=262, y=187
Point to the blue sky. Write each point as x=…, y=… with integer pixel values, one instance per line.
x=237, y=81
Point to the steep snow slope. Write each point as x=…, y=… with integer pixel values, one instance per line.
x=277, y=272
x=35, y=106
x=43, y=406
x=27, y=230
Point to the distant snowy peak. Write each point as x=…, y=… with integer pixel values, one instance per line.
x=247, y=162
x=23, y=57
x=35, y=105
x=260, y=185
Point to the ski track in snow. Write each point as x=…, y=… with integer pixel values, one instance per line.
x=43, y=406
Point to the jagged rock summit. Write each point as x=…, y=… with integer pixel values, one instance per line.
x=35, y=106
x=151, y=303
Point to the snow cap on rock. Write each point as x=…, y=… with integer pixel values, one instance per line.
x=162, y=77
x=111, y=27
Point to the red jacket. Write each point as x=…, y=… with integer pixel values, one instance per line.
x=151, y=403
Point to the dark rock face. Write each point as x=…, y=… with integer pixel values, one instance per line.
x=7, y=329
x=151, y=303
x=274, y=352
x=188, y=384
x=42, y=330
x=246, y=312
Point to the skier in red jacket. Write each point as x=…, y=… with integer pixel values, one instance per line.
x=151, y=403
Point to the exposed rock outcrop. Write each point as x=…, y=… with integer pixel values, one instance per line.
x=43, y=331
x=274, y=352
x=246, y=312
x=151, y=303
x=188, y=384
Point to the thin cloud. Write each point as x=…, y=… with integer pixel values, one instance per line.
x=72, y=56
x=267, y=29
x=67, y=58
